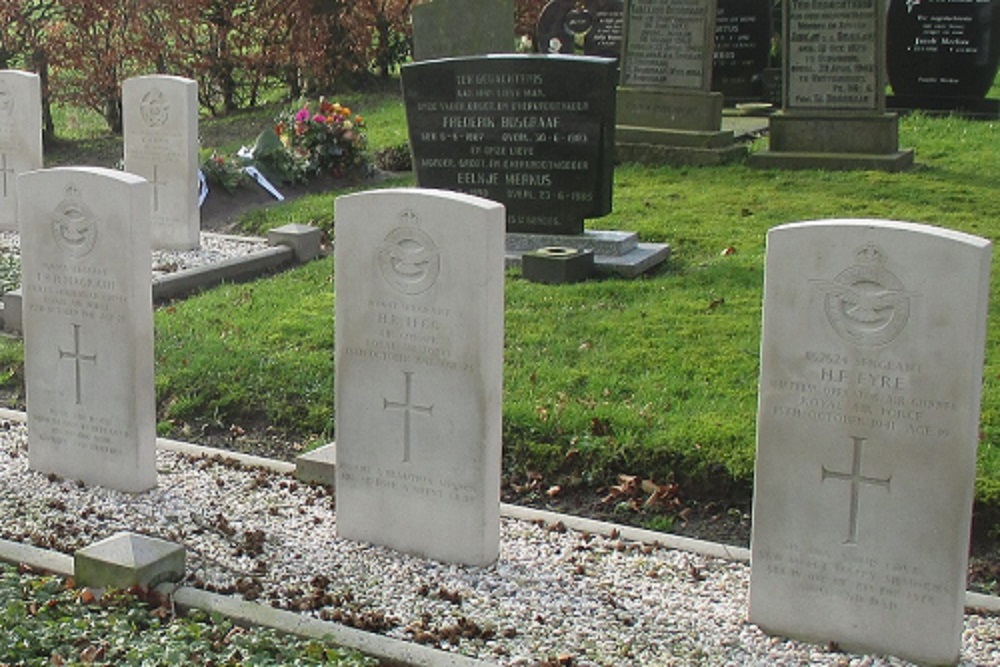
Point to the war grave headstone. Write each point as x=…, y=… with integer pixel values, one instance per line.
x=871, y=366
x=20, y=137
x=581, y=27
x=88, y=326
x=535, y=133
x=419, y=362
x=666, y=110
x=442, y=29
x=160, y=123
x=742, y=49
x=943, y=54
x=833, y=114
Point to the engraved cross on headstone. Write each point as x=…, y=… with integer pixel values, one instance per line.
x=77, y=357
x=4, y=169
x=856, y=479
x=408, y=408
x=156, y=182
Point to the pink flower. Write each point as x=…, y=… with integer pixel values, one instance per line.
x=319, y=118
x=303, y=115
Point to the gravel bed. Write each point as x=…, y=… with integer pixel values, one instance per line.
x=214, y=248
x=555, y=596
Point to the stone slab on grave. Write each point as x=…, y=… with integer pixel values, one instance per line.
x=419, y=372
x=20, y=137
x=160, y=128
x=742, y=49
x=127, y=559
x=88, y=326
x=665, y=99
x=833, y=87
x=616, y=253
x=535, y=133
x=943, y=54
x=442, y=29
x=587, y=27
x=871, y=367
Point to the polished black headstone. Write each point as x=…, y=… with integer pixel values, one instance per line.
x=942, y=51
x=582, y=27
x=742, y=48
x=535, y=133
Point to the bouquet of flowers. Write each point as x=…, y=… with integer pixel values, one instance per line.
x=323, y=140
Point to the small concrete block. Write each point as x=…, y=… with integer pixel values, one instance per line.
x=558, y=265
x=126, y=559
x=12, y=311
x=318, y=466
x=305, y=240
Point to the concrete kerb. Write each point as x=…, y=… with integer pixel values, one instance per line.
x=291, y=245
x=392, y=651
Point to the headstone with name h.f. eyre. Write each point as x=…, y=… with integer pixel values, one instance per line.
x=20, y=137
x=666, y=110
x=870, y=383
x=419, y=362
x=535, y=133
x=442, y=29
x=833, y=114
x=88, y=326
x=160, y=122
x=942, y=54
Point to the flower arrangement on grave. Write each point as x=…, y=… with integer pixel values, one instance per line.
x=226, y=172
x=324, y=138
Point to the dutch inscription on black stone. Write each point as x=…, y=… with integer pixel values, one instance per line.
x=742, y=47
x=582, y=27
x=833, y=54
x=535, y=133
x=943, y=49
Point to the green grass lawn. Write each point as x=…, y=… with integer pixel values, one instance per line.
x=654, y=377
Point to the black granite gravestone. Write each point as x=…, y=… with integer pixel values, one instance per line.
x=942, y=53
x=583, y=27
x=742, y=48
x=535, y=133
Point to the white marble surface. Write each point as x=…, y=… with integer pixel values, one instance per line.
x=419, y=347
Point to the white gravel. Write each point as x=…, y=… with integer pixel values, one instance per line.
x=214, y=248
x=554, y=594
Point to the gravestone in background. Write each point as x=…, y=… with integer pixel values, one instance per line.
x=742, y=49
x=535, y=133
x=443, y=29
x=587, y=27
x=88, y=326
x=666, y=112
x=871, y=368
x=419, y=362
x=942, y=54
x=833, y=114
x=160, y=123
x=20, y=137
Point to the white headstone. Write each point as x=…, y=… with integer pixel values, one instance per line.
x=88, y=326
x=871, y=368
x=419, y=363
x=160, y=123
x=20, y=137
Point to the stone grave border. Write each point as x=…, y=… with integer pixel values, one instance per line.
x=289, y=245
x=390, y=651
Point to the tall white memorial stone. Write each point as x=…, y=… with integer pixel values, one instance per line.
x=88, y=326
x=419, y=363
x=20, y=137
x=160, y=123
x=871, y=368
